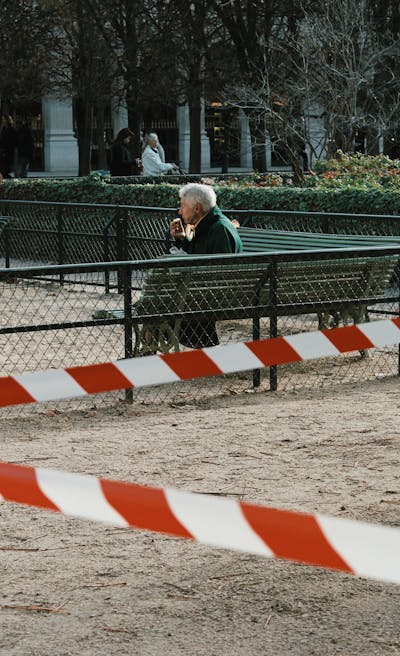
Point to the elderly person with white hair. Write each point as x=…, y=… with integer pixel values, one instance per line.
x=152, y=161
x=202, y=229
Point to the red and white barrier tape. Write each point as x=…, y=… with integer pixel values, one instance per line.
x=158, y=369
x=355, y=547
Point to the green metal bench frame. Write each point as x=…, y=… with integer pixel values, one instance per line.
x=334, y=289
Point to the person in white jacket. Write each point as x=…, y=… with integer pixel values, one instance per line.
x=153, y=156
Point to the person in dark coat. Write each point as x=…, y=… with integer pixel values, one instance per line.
x=204, y=230
x=122, y=161
x=25, y=147
x=8, y=144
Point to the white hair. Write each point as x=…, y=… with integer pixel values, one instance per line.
x=151, y=136
x=194, y=192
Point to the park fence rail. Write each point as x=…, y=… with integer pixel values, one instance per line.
x=68, y=233
x=73, y=315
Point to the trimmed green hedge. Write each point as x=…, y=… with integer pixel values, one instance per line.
x=98, y=190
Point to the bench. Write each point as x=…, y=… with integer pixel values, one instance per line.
x=256, y=240
x=334, y=289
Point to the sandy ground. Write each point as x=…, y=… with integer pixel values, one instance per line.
x=75, y=587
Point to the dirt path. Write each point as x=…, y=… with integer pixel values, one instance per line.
x=125, y=592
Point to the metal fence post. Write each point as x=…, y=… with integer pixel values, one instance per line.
x=273, y=321
x=7, y=246
x=119, y=234
x=125, y=241
x=256, y=336
x=126, y=276
x=256, y=323
x=398, y=311
x=60, y=239
x=120, y=237
x=106, y=248
x=122, y=241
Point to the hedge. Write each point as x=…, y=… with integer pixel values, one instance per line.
x=94, y=189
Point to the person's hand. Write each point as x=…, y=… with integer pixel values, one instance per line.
x=176, y=229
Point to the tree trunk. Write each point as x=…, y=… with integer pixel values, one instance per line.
x=227, y=121
x=84, y=116
x=135, y=123
x=101, y=146
x=292, y=157
x=258, y=145
x=195, y=136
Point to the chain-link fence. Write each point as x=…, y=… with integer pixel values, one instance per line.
x=60, y=233
x=63, y=316
x=326, y=222
x=57, y=233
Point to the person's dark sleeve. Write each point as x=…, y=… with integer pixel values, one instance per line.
x=124, y=155
x=223, y=241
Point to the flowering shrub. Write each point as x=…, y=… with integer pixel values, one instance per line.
x=267, y=180
x=224, y=182
x=353, y=184
x=356, y=171
x=254, y=180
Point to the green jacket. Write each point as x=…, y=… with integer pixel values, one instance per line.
x=214, y=234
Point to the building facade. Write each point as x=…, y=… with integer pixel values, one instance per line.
x=225, y=144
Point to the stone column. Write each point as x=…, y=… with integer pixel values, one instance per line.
x=205, y=142
x=246, y=156
x=183, y=124
x=60, y=144
x=268, y=151
x=317, y=133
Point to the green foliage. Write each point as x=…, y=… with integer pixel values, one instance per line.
x=27, y=34
x=356, y=171
x=91, y=189
x=348, y=201
x=353, y=193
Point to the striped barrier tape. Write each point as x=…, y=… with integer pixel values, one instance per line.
x=355, y=547
x=70, y=382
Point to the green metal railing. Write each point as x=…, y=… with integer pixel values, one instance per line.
x=60, y=316
x=68, y=233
